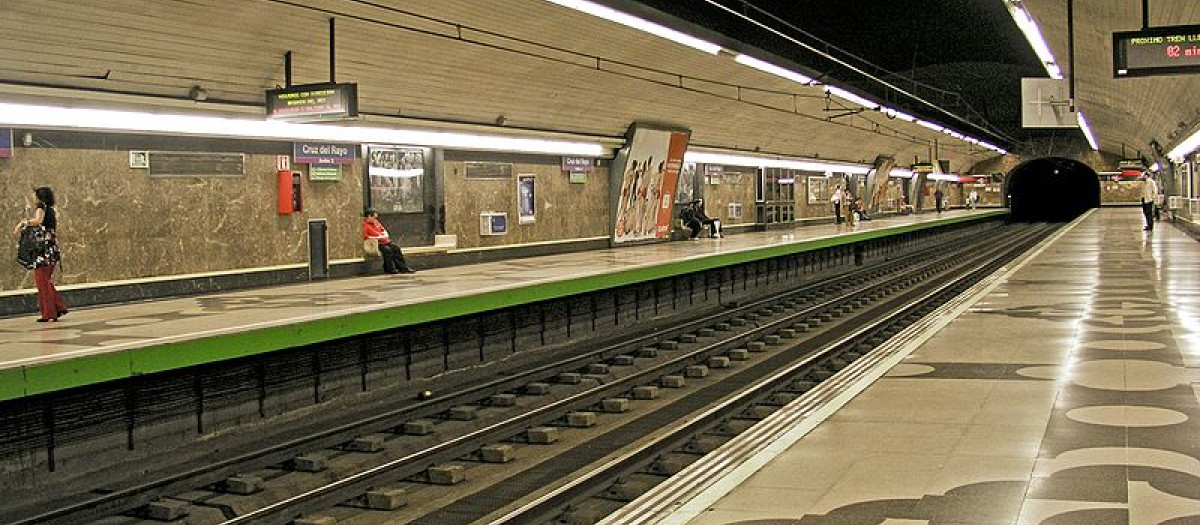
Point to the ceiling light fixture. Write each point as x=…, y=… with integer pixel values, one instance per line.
x=753, y=161
x=1035, y=38
x=1087, y=132
x=893, y=113
x=641, y=24
x=766, y=67
x=850, y=97
x=24, y=115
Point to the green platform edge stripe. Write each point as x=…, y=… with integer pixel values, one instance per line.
x=87, y=370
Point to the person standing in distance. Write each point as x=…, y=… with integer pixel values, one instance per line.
x=836, y=201
x=51, y=304
x=1149, y=196
x=938, y=197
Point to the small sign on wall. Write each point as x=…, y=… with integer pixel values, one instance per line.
x=325, y=172
x=735, y=210
x=578, y=177
x=577, y=164
x=6, y=143
x=139, y=159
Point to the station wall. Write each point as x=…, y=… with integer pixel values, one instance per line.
x=564, y=210
x=117, y=222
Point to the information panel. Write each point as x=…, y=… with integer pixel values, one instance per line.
x=1171, y=50
x=307, y=102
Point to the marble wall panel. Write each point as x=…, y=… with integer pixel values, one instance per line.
x=737, y=185
x=564, y=210
x=118, y=223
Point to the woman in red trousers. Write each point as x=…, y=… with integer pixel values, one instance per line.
x=52, y=305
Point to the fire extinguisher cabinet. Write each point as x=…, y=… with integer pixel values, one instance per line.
x=290, y=199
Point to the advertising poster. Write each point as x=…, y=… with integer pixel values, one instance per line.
x=396, y=175
x=6, y=142
x=687, y=183
x=526, y=199
x=647, y=181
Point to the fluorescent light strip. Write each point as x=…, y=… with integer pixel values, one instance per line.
x=1184, y=148
x=930, y=125
x=766, y=67
x=612, y=15
x=1035, y=38
x=850, y=97
x=948, y=177
x=1087, y=131
x=133, y=121
x=899, y=114
x=901, y=173
x=773, y=162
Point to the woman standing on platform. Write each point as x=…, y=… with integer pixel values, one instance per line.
x=42, y=228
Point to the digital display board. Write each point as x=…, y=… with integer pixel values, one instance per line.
x=307, y=102
x=1171, y=50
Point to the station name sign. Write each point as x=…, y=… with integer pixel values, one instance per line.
x=1170, y=50
x=323, y=153
x=328, y=101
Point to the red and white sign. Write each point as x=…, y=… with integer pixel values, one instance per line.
x=283, y=163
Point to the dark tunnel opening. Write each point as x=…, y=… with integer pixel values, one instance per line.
x=1052, y=189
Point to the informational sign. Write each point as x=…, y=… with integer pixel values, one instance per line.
x=578, y=164
x=283, y=163
x=488, y=170
x=196, y=164
x=325, y=172
x=578, y=177
x=396, y=177
x=6, y=142
x=323, y=153
x=328, y=101
x=1170, y=50
x=526, y=199
x=923, y=167
x=646, y=173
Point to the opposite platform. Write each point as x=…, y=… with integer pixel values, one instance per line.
x=100, y=344
x=1068, y=393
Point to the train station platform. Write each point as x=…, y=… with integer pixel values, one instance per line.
x=94, y=345
x=1063, y=390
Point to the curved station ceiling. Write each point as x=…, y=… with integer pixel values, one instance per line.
x=515, y=66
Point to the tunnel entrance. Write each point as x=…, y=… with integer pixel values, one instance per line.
x=1052, y=189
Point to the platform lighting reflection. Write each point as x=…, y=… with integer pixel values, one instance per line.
x=1034, y=35
x=850, y=97
x=767, y=67
x=900, y=173
x=612, y=15
x=752, y=161
x=1087, y=132
x=135, y=121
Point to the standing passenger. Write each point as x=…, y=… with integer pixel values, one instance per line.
x=938, y=196
x=1149, y=196
x=836, y=200
x=973, y=199
x=43, y=226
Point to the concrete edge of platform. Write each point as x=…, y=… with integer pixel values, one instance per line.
x=89, y=367
x=700, y=486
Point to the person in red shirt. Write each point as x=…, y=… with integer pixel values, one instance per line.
x=393, y=258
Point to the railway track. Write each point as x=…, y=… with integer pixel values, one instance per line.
x=573, y=440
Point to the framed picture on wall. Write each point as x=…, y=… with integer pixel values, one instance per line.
x=526, y=198
x=396, y=176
